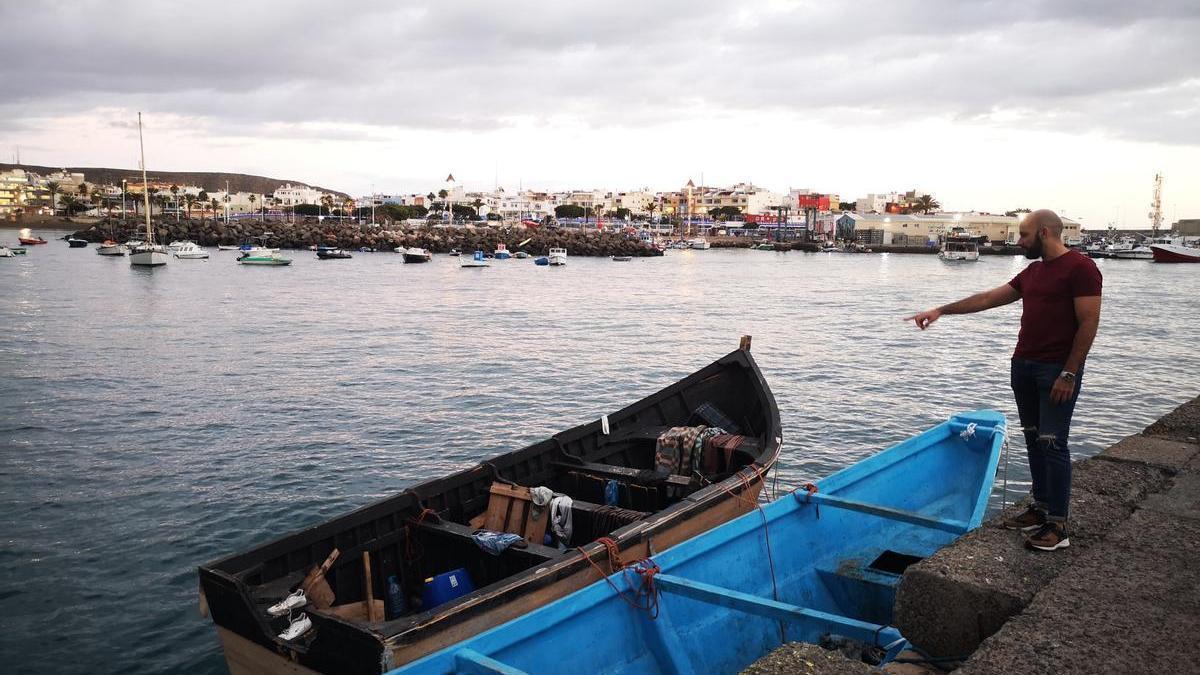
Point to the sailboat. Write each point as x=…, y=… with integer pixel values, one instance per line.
x=147, y=253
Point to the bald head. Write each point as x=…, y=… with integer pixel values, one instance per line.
x=1047, y=219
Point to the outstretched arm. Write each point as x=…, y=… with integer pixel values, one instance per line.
x=1001, y=295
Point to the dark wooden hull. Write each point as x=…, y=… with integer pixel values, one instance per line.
x=403, y=542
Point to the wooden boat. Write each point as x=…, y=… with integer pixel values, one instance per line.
x=811, y=565
x=31, y=241
x=426, y=530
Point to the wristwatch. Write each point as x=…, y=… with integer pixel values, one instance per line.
x=1067, y=375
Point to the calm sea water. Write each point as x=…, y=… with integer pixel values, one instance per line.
x=152, y=420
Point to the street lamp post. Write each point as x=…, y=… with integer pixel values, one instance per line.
x=122, y=201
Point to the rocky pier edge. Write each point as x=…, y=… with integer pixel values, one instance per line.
x=1123, y=598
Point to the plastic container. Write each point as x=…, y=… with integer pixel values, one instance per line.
x=395, y=606
x=445, y=587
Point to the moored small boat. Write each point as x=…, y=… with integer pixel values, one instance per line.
x=417, y=255
x=821, y=561
x=959, y=252
x=622, y=258
x=31, y=241
x=621, y=506
x=6, y=252
x=17, y=250
x=190, y=251
x=541, y=261
x=558, y=256
x=76, y=242
x=110, y=248
x=521, y=255
x=227, y=247
x=454, y=253
x=331, y=253
x=476, y=260
x=267, y=258
x=501, y=252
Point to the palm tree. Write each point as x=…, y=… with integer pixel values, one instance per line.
x=252, y=199
x=189, y=200
x=327, y=202
x=175, y=198
x=213, y=203
x=651, y=206
x=53, y=186
x=153, y=197
x=83, y=190
x=348, y=205
x=69, y=203
x=927, y=203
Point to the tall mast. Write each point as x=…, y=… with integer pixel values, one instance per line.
x=145, y=183
x=1156, y=216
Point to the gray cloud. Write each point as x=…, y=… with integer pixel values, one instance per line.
x=1126, y=70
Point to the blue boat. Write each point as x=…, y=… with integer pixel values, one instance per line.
x=817, y=565
x=541, y=260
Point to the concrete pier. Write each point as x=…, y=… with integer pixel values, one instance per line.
x=1124, y=598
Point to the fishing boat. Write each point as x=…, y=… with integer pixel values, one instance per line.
x=26, y=238
x=501, y=252
x=332, y=253
x=621, y=505
x=558, y=256
x=76, y=242
x=476, y=260
x=146, y=253
x=819, y=564
x=959, y=251
x=266, y=258
x=191, y=251
x=1175, y=252
x=417, y=255
x=18, y=250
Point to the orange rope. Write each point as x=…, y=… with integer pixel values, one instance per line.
x=645, y=598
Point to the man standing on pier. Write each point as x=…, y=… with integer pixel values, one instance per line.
x=1060, y=315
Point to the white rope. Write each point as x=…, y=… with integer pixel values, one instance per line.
x=968, y=433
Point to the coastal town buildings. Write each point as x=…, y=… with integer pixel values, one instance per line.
x=925, y=230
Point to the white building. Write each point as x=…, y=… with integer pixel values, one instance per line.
x=290, y=195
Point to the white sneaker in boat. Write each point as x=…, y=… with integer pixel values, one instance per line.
x=294, y=601
x=299, y=626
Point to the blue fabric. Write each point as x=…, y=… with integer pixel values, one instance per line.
x=611, y=493
x=494, y=542
x=1047, y=426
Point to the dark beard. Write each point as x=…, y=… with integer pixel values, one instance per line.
x=1035, y=250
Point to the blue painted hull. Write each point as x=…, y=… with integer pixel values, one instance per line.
x=837, y=556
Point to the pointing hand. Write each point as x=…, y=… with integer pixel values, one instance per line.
x=924, y=319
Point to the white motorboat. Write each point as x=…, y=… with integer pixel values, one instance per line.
x=959, y=252
x=227, y=247
x=1139, y=252
x=1175, y=252
x=147, y=253
x=110, y=247
x=699, y=244
x=416, y=255
x=476, y=260
x=6, y=252
x=558, y=256
x=190, y=251
x=174, y=246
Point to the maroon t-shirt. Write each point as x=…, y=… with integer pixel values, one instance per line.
x=1048, y=291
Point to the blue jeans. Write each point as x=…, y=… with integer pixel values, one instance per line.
x=1046, y=425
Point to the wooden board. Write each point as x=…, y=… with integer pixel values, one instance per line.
x=358, y=611
x=510, y=509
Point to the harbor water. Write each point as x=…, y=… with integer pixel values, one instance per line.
x=153, y=420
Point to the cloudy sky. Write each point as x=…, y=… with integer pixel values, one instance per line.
x=1070, y=104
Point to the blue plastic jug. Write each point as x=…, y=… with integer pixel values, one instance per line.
x=445, y=587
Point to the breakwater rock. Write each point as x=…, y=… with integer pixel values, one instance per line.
x=303, y=235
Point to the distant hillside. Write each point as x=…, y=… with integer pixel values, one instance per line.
x=209, y=180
